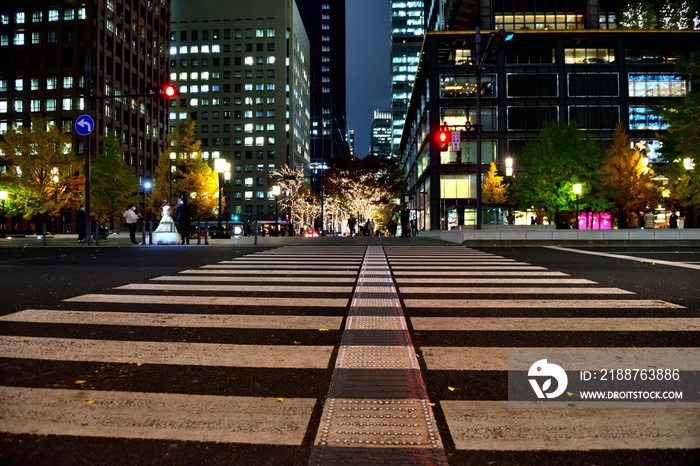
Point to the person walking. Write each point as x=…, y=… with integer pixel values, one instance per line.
x=131, y=218
x=183, y=217
x=80, y=223
x=649, y=219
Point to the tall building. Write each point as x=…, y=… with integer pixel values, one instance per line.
x=407, y=32
x=46, y=48
x=567, y=62
x=380, y=139
x=243, y=70
x=325, y=25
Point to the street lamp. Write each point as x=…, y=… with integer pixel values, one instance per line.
x=3, y=197
x=146, y=186
x=509, y=166
x=276, y=192
x=577, y=191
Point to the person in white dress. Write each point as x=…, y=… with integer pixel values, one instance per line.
x=166, y=233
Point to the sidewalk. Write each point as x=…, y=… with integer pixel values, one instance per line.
x=122, y=240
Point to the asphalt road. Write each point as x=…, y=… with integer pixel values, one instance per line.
x=44, y=278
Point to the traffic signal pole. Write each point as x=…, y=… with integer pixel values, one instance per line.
x=479, y=66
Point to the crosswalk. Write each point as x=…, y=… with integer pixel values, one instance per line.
x=466, y=320
x=260, y=351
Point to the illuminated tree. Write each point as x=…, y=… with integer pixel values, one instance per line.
x=494, y=191
x=113, y=184
x=42, y=169
x=637, y=15
x=631, y=186
x=550, y=166
x=182, y=171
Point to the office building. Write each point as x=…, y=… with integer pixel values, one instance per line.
x=325, y=25
x=46, y=48
x=243, y=71
x=380, y=139
x=407, y=32
x=570, y=62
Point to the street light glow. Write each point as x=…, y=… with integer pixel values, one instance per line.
x=577, y=188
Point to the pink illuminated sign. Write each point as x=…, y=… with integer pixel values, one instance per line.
x=594, y=221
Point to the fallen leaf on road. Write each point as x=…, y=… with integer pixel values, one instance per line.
x=80, y=381
x=323, y=330
x=90, y=402
x=451, y=389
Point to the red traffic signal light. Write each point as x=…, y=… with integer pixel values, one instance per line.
x=169, y=91
x=442, y=140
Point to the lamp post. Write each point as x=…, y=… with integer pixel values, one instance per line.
x=276, y=192
x=577, y=191
x=227, y=182
x=509, y=166
x=146, y=186
x=3, y=197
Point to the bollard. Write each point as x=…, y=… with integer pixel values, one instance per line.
x=97, y=233
x=255, y=227
x=150, y=232
x=199, y=233
x=206, y=232
x=44, y=232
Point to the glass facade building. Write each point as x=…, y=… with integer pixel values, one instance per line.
x=566, y=63
x=407, y=32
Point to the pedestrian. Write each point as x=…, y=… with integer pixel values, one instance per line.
x=405, y=224
x=131, y=218
x=351, y=225
x=673, y=220
x=649, y=219
x=183, y=217
x=80, y=223
x=414, y=227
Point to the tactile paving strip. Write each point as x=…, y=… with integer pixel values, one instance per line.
x=377, y=411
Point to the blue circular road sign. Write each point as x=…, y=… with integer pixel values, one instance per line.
x=84, y=125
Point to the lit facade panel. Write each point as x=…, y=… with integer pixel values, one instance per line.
x=245, y=80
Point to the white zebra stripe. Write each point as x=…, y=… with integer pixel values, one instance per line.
x=491, y=425
x=496, y=358
x=319, y=288
x=539, y=303
x=170, y=353
x=297, y=279
x=549, y=324
x=174, y=320
x=172, y=300
x=512, y=290
x=161, y=416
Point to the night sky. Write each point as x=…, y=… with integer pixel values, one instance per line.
x=368, y=37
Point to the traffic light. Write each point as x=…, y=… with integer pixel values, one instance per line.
x=496, y=41
x=167, y=91
x=442, y=139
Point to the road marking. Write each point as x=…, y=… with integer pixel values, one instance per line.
x=257, y=288
x=184, y=278
x=172, y=300
x=174, y=320
x=467, y=304
x=511, y=290
x=491, y=425
x=496, y=358
x=629, y=258
x=172, y=353
x=516, y=272
x=464, y=266
x=282, y=267
x=556, y=324
x=161, y=416
x=507, y=281
x=271, y=272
